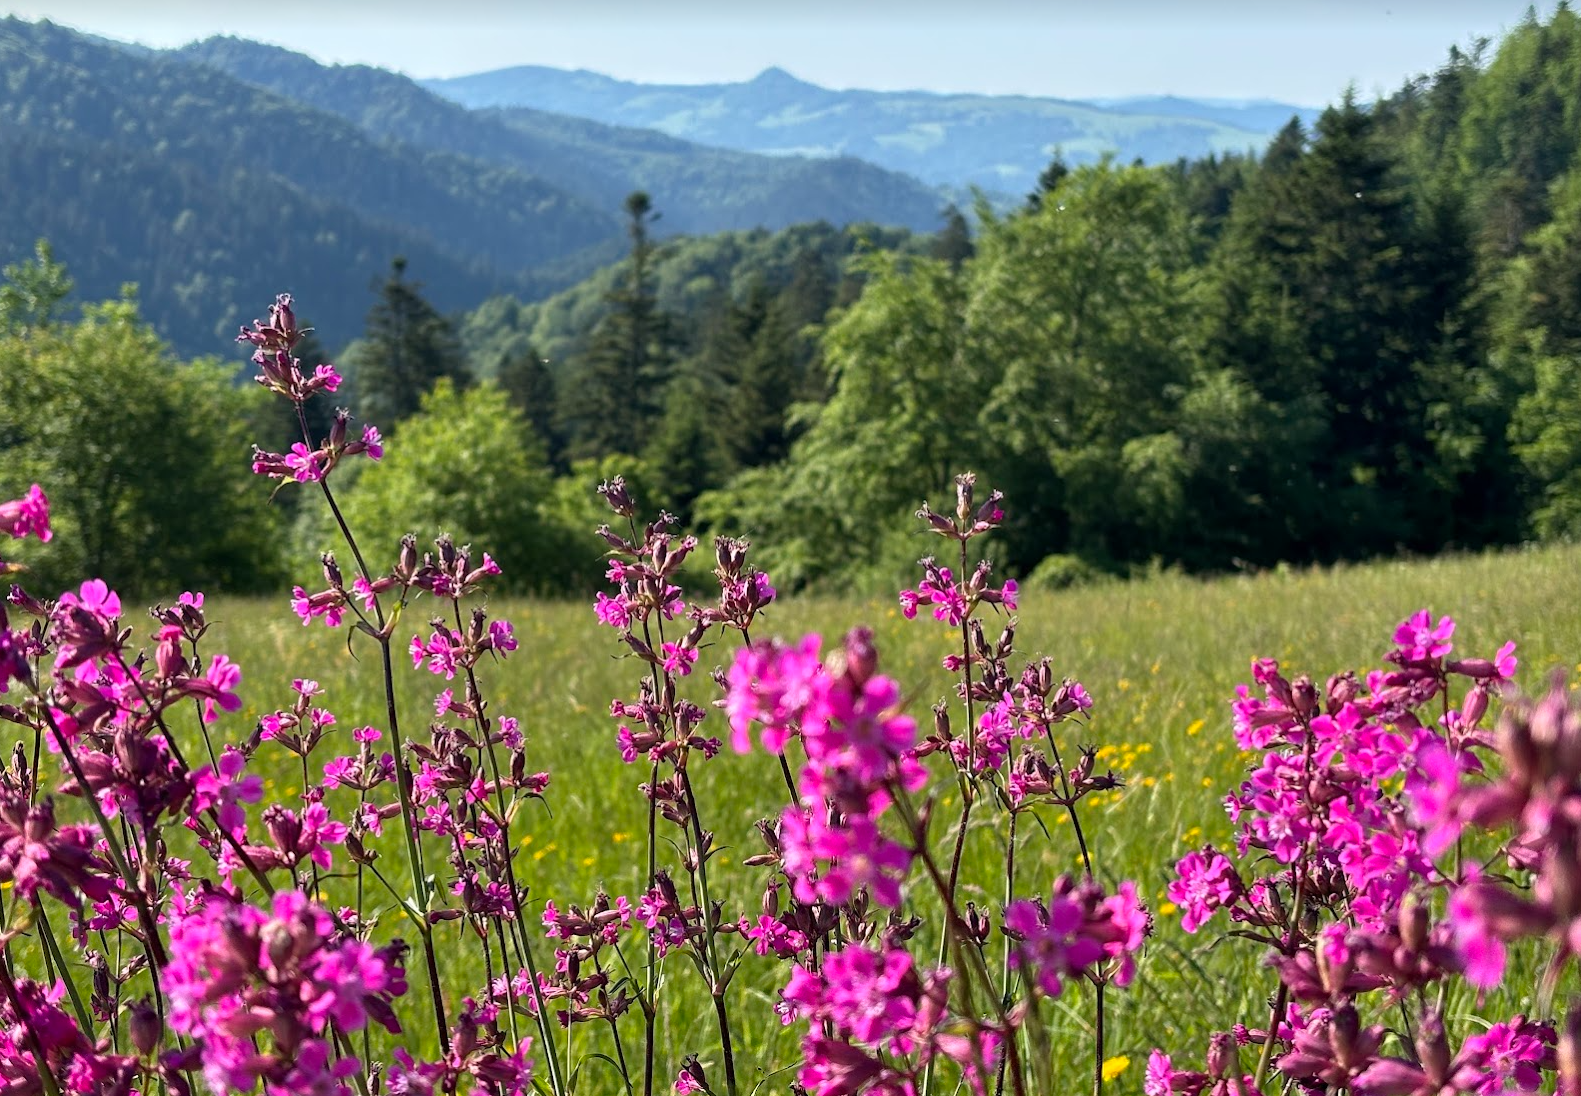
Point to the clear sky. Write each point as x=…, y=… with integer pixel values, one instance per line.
x=1299, y=51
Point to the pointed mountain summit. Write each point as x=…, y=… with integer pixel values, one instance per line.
x=776, y=77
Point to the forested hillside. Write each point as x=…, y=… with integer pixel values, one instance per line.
x=703, y=189
x=216, y=175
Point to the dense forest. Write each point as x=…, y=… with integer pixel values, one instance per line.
x=1364, y=341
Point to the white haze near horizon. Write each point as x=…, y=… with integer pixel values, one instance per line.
x=1295, y=51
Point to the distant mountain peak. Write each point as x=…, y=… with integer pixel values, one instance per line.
x=774, y=75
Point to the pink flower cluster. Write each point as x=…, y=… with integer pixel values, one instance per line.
x=237, y=973
x=303, y=465
x=858, y=749
x=1359, y=789
x=1077, y=929
x=875, y=1021
x=38, y=1037
x=28, y=515
x=954, y=601
x=273, y=341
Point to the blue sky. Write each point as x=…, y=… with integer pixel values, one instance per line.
x=1300, y=51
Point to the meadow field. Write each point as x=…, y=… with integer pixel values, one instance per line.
x=1160, y=657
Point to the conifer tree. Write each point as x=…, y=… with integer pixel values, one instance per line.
x=617, y=387
x=408, y=346
x=953, y=243
x=529, y=385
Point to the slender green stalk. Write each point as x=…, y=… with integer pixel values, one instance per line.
x=52, y=948
x=711, y=951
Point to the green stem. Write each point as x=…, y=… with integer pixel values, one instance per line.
x=711, y=951
x=52, y=947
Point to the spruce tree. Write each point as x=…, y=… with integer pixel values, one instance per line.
x=408, y=346
x=529, y=385
x=953, y=243
x=617, y=387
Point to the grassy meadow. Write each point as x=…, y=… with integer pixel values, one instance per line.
x=1160, y=657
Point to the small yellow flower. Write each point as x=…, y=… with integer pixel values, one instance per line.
x=1113, y=1067
x=587, y=861
x=617, y=838
x=1196, y=725
x=1166, y=909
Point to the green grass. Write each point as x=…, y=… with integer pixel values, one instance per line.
x=1160, y=657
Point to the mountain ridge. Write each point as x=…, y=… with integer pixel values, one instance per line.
x=955, y=139
x=697, y=188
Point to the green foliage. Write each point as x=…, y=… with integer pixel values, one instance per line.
x=852, y=481
x=144, y=458
x=32, y=293
x=1541, y=341
x=690, y=276
x=1077, y=310
x=466, y=464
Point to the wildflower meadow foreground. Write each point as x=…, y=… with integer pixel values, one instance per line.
x=168, y=925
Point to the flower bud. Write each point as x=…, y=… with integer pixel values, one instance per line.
x=1432, y=1047
x=1223, y=1058
x=989, y=513
x=978, y=925
x=963, y=495
x=619, y=499
x=406, y=564
x=1415, y=922
x=938, y=522
x=145, y=1028
x=283, y=319
x=692, y=1071
x=168, y=656
x=941, y=721
x=1475, y=706
x=1305, y=697
x=730, y=554
x=337, y=431
x=861, y=655
x=1344, y=1030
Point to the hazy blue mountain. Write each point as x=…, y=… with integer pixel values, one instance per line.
x=201, y=187
x=1258, y=115
x=997, y=142
x=696, y=188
